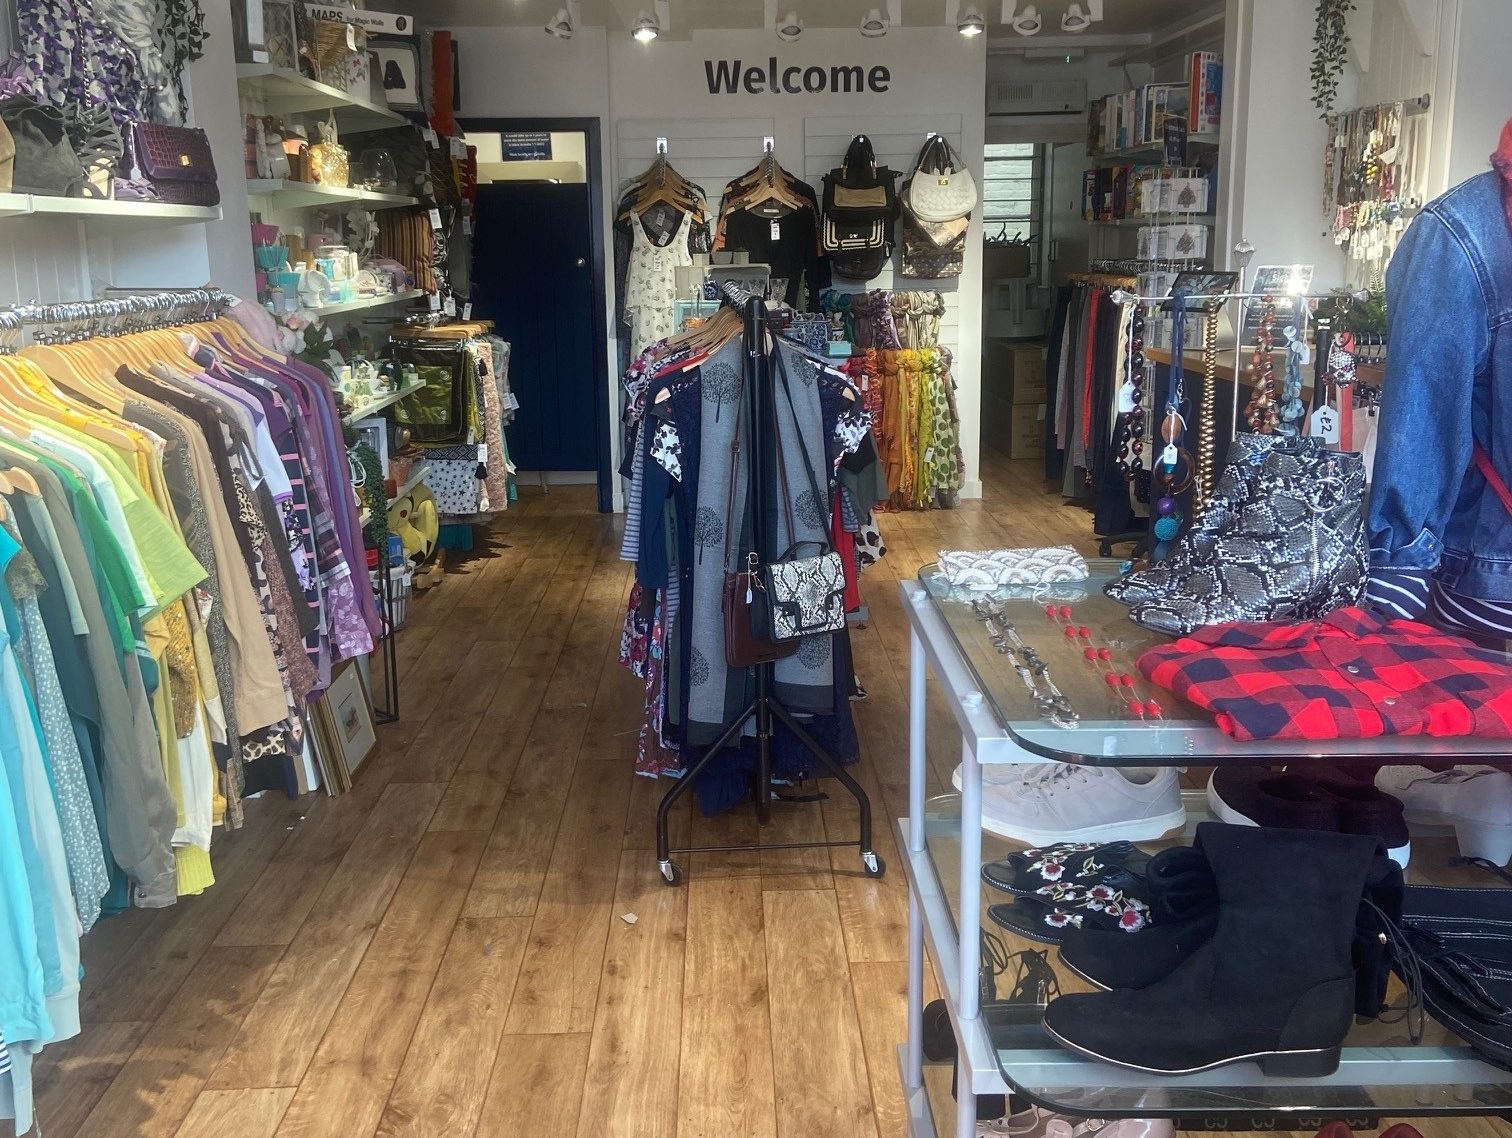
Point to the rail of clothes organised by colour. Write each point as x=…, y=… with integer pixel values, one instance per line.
x=689, y=450
x=904, y=376
x=183, y=567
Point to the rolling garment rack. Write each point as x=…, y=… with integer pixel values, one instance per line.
x=764, y=707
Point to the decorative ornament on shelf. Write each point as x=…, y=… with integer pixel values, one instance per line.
x=1330, y=46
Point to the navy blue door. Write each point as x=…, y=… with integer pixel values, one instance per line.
x=533, y=277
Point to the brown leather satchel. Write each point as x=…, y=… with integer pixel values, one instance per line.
x=178, y=163
x=743, y=590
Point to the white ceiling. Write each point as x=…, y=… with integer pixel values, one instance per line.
x=1120, y=17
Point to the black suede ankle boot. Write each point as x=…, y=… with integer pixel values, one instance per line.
x=1275, y=983
x=1183, y=902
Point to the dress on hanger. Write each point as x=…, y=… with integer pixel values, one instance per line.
x=651, y=283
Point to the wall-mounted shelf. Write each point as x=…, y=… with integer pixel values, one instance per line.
x=286, y=194
x=376, y=405
x=286, y=92
x=103, y=210
x=417, y=476
x=1155, y=149
x=368, y=302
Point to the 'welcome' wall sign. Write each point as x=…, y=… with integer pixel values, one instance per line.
x=731, y=76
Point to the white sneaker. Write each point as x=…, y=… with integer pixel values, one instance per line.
x=1102, y=1128
x=1476, y=801
x=1085, y=804
x=1025, y=1124
x=1007, y=774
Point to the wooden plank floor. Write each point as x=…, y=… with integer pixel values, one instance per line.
x=442, y=953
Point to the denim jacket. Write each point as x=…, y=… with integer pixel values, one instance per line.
x=1448, y=385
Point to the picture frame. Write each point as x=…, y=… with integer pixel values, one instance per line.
x=344, y=727
x=374, y=431
x=399, y=73
x=1200, y=282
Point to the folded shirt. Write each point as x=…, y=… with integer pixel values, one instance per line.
x=1354, y=674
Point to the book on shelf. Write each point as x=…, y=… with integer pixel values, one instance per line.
x=1205, y=76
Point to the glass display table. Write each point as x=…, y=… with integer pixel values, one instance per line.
x=1001, y=1047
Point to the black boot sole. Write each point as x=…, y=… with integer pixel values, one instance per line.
x=1275, y=1064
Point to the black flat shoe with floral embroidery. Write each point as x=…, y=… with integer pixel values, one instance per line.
x=1115, y=905
x=1025, y=873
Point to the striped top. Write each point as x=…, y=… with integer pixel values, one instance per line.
x=1413, y=594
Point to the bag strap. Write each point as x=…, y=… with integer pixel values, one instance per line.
x=734, y=474
x=1493, y=479
x=820, y=500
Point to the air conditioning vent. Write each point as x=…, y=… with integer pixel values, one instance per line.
x=1037, y=97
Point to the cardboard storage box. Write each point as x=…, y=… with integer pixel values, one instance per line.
x=1026, y=432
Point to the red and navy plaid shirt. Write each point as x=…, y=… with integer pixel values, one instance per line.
x=1351, y=675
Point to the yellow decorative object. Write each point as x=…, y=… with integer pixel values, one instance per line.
x=415, y=520
x=329, y=163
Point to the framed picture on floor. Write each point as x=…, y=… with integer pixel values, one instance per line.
x=342, y=720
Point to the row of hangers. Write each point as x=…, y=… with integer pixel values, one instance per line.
x=68, y=375
x=661, y=184
x=767, y=190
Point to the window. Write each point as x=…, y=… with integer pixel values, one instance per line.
x=1011, y=189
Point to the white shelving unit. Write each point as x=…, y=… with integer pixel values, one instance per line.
x=286, y=92
x=417, y=476
x=284, y=194
x=103, y=210
x=369, y=302
x=381, y=402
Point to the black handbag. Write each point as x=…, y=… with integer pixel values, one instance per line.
x=804, y=589
x=45, y=162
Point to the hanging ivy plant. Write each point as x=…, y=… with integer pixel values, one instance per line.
x=1330, y=45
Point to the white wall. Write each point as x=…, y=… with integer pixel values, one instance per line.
x=639, y=92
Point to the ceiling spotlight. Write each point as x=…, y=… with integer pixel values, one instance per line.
x=646, y=27
x=1027, y=22
x=790, y=29
x=1075, y=20
x=875, y=24
x=561, y=25
x=972, y=23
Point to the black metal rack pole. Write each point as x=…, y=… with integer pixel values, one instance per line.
x=764, y=706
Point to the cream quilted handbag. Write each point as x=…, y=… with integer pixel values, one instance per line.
x=942, y=188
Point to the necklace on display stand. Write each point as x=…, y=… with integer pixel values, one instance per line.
x=1173, y=467
x=1262, y=413
x=1131, y=401
x=1207, y=418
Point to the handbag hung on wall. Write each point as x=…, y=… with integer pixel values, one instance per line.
x=942, y=188
x=860, y=209
x=744, y=647
x=932, y=250
x=176, y=160
x=804, y=595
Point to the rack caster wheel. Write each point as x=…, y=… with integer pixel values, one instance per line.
x=671, y=872
x=872, y=864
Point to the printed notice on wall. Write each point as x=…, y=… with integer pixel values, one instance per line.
x=526, y=146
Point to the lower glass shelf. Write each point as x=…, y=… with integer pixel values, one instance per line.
x=1382, y=1073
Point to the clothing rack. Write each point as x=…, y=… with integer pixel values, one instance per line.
x=120, y=312
x=764, y=706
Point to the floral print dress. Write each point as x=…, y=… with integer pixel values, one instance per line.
x=651, y=283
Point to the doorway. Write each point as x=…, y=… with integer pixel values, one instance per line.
x=538, y=274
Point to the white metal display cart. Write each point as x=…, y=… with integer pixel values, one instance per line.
x=1381, y=1075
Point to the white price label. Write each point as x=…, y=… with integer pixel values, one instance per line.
x=435, y=218
x=1168, y=457
x=467, y=311
x=351, y=34
x=434, y=302
x=1324, y=424
x=449, y=306
x=482, y=452
x=467, y=226
x=776, y=231
x=458, y=148
x=430, y=136
x=658, y=262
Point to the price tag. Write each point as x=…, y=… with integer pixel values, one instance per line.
x=776, y=231
x=482, y=452
x=467, y=226
x=433, y=301
x=351, y=34
x=467, y=311
x=658, y=262
x=458, y=148
x=1125, y=398
x=1324, y=424
x=430, y=136
x=449, y=306
x=435, y=218
x=865, y=382
x=1168, y=457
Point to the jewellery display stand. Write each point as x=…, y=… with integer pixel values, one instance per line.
x=1381, y=1074
x=764, y=706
